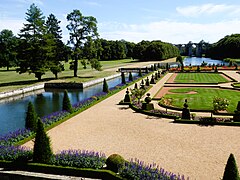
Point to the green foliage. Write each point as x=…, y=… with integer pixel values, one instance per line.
x=140, y=72
x=66, y=106
x=154, y=51
x=135, y=86
x=8, y=45
x=105, y=86
x=220, y=104
x=42, y=152
x=227, y=47
x=113, y=50
x=123, y=78
x=56, y=49
x=31, y=117
x=33, y=46
x=114, y=162
x=130, y=78
x=231, y=169
x=82, y=29
x=137, y=93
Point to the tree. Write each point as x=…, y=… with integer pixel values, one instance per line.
x=66, y=106
x=81, y=29
x=90, y=52
x=8, y=45
x=32, y=51
x=105, y=86
x=42, y=151
x=57, y=49
x=31, y=118
x=231, y=169
x=227, y=47
x=180, y=60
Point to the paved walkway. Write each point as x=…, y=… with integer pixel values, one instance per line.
x=199, y=152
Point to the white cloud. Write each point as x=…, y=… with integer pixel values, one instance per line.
x=14, y=25
x=207, y=9
x=171, y=31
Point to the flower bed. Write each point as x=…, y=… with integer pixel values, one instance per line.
x=137, y=106
x=136, y=169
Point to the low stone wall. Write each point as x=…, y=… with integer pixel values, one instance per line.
x=93, y=82
x=21, y=91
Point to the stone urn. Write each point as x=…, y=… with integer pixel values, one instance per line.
x=146, y=105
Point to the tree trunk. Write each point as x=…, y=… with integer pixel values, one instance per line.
x=75, y=67
x=56, y=75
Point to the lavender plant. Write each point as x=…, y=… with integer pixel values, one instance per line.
x=80, y=159
x=14, y=153
x=137, y=170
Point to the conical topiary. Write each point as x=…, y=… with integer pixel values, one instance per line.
x=31, y=117
x=231, y=169
x=146, y=71
x=66, y=106
x=105, y=86
x=42, y=152
x=130, y=78
x=135, y=86
x=140, y=72
x=123, y=78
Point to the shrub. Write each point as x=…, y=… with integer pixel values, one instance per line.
x=114, y=162
x=123, y=78
x=80, y=159
x=231, y=169
x=31, y=117
x=66, y=106
x=130, y=78
x=139, y=170
x=15, y=153
x=140, y=72
x=135, y=86
x=42, y=152
x=220, y=104
x=105, y=86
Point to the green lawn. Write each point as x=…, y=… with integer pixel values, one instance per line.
x=203, y=98
x=199, y=78
x=11, y=80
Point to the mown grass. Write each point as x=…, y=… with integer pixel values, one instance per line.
x=11, y=80
x=203, y=98
x=200, y=78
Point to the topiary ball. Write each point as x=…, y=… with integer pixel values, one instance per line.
x=114, y=162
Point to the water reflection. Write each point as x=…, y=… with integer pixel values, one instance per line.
x=13, y=112
x=195, y=61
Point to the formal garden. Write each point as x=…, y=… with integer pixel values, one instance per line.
x=37, y=54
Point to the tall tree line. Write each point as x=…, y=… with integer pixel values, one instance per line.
x=39, y=48
x=227, y=47
x=154, y=51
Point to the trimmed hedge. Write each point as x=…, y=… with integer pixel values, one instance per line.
x=59, y=170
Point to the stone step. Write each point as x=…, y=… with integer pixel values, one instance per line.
x=25, y=175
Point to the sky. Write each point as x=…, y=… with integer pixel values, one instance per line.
x=173, y=21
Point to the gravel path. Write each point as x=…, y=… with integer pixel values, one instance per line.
x=199, y=152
